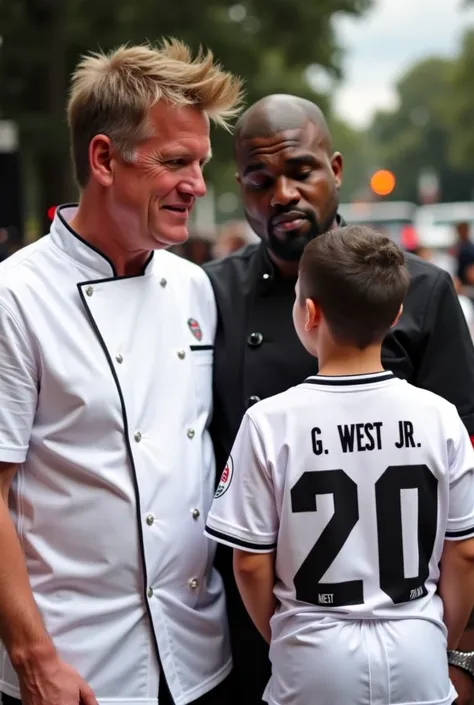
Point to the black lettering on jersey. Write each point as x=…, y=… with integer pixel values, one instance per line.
x=362, y=436
x=318, y=448
x=405, y=431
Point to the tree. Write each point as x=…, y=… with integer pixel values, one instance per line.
x=460, y=109
x=415, y=138
x=267, y=42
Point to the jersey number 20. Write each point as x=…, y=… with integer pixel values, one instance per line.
x=389, y=529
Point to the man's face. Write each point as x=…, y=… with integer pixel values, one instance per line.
x=290, y=188
x=151, y=197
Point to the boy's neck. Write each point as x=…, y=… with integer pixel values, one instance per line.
x=342, y=361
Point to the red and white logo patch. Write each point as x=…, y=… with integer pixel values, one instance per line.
x=195, y=328
x=226, y=478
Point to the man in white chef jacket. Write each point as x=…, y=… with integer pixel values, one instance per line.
x=107, y=590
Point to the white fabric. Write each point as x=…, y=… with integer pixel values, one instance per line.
x=294, y=485
x=75, y=344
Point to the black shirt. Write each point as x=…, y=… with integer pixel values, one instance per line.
x=258, y=354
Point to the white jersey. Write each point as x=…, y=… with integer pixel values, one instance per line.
x=355, y=482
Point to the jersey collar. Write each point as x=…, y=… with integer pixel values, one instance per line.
x=79, y=249
x=349, y=380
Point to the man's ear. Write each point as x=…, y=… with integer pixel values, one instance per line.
x=313, y=315
x=100, y=159
x=337, y=166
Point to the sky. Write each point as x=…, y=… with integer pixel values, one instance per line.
x=384, y=43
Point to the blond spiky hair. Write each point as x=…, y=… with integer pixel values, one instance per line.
x=112, y=93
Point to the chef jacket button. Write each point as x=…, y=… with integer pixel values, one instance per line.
x=163, y=282
x=255, y=339
x=191, y=433
x=89, y=291
x=138, y=436
x=150, y=519
x=266, y=276
x=252, y=400
x=150, y=592
x=181, y=354
x=196, y=513
x=119, y=358
x=194, y=584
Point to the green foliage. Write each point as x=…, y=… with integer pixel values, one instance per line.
x=460, y=116
x=418, y=135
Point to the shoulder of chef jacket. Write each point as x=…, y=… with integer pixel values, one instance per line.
x=105, y=402
x=258, y=354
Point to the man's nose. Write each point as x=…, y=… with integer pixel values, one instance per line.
x=284, y=192
x=194, y=184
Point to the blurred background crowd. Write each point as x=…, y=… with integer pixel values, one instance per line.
x=393, y=77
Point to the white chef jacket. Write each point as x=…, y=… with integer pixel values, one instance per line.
x=105, y=400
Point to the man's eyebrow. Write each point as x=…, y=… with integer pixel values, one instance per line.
x=302, y=160
x=183, y=154
x=256, y=166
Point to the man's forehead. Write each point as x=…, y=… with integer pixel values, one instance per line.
x=307, y=137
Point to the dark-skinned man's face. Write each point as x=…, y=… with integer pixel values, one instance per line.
x=290, y=187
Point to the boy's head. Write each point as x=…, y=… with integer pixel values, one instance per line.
x=351, y=286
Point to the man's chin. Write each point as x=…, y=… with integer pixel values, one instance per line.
x=166, y=238
x=291, y=248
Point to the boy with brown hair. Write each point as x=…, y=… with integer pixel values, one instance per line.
x=349, y=501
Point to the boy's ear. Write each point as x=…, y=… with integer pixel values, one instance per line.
x=313, y=315
x=397, y=317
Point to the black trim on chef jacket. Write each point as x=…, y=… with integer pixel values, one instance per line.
x=97, y=251
x=162, y=680
x=257, y=354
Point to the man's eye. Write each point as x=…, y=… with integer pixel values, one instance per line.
x=259, y=185
x=176, y=162
x=303, y=175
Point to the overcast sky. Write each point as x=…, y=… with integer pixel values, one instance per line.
x=387, y=41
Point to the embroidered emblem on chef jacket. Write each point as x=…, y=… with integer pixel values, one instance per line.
x=226, y=478
x=195, y=328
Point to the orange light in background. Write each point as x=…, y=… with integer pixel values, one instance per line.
x=51, y=212
x=382, y=182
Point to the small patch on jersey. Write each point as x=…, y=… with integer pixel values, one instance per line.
x=226, y=478
x=195, y=328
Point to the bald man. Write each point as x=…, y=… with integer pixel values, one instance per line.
x=289, y=178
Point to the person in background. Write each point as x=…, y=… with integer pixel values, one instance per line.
x=466, y=304
x=290, y=176
x=196, y=249
x=465, y=255
x=231, y=237
x=107, y=589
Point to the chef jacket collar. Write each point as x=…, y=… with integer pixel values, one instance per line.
x=79, y=249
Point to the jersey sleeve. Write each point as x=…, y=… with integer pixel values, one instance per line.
x=461, y=485
x=243, y=514
x=18, y=388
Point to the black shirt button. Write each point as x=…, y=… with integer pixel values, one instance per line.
x=252, y=400
x=255, y=339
